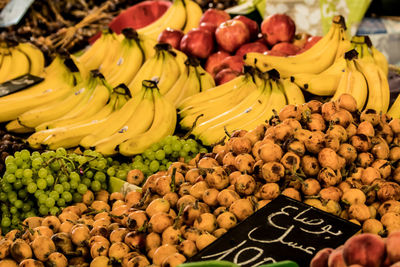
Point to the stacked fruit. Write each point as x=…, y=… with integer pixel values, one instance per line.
x=8, y=145
x=19, y=59
x=361, y=250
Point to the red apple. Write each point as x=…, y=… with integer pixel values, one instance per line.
x=278, y=28
x=171, y=36
x=312, y=41
x=197, y=43
x=251, y=47
x=225, y=75
x=275, y=53
x=214, y=16
x=300, y=39
x=235, y=63
x=287, y=48
x=207, y=26
x=252, y=26
x=231, y=35
x=214, y=61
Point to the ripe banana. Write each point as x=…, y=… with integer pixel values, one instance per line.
x=173, y=94
x=191, y=86
x=193, y=14
x=206, y=80
x=147, y=45
x=6, y=65
x=19, y=65
x=380, y=60
x=358, y=87
x=293, y=93
x=394, y=110
x=174, y=17
x=138, y=123
x=35, y=57
x=163, y=125
x=14, y=127
x=315, y=60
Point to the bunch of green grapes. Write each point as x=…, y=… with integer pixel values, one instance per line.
x=161, y=155
x=43, y=183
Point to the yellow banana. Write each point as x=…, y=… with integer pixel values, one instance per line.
x=170, y=73
x=394, y=110
x=173, y=95
x=35, y=57
x=206, y=80
x=14, y=127
x=358, y=87
x=163, y=125
x=6, y=66
x=114, y=49
x=193, y=15
x=344, y=44
x=385, y=90
x=147, y=45
x=293, y=93
x=380, y=60
x=192, y=85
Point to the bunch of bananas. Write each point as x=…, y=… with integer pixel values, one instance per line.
x=182, y=14
x=313, y=61
x=19, y=59
x=241, y=103
x=59, y=79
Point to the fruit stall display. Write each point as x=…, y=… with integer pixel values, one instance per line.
x=205, y=119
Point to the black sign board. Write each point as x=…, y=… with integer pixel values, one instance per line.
x=18, y=84
x=284, y=229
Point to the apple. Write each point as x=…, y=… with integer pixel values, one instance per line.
x=225, y=75
x=198, y=43
x=287, y=48
x=251, y=47
x=231, y=35
x=278, y=28
x=252, y=26
x=275, y=53
x=214, y=16
x=214, y=61
x=207, y=26
x=312, y=41
x=235, y=63
x=171, y=36
x=300, y=39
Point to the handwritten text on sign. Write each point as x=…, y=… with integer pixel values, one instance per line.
x=284, y=229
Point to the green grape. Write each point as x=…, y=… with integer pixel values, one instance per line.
x=15, y=221
x=13, y=198
x=100, y=176
x=148, y=153
x=155, y=147
x=43, y=210
x=3, y=197
x=186, y=147
x=124, y=166
x=164, y=161
x=203, y=150
x=42, y=198
x=183, y=153
x=25, y=154
x=13, y=210
x=175, y=154
x=11, y=167
x=101, y=165
x=82, y=188
x=191, y=142
x=111, y=171
x=37, y=163
x=54, y=211
x=137, y=165
x=26, y=207
x=162, y=168
x=167, y=149
x=104, y=186
x=168, y=139
x=42, y=173
x=61, y=202
x=121, y=174
x=62, y=178
x=74, y=184
x=138, y=158
x=86, y=181
x=95, y=186
x=55, y=166
x=18, y=184
x=74, y=176
x=154, y=165
x=50, y=180
x=10, y=178
x=28, y=173
x=145, y=168
x=18, y=204
x=5, y=222
x=66, y=186
x=30, y=214
x=77, y=198
x=89, y=174
x=18, y=161
x=23, y=193
x=9, y=159
x=61, y=151
x=93, y=163
x=50, y=202
x=168, y=164
x=41, y=183
x=176, y=146
x=6, y=187
x=59, y=188
x=146, y=162
x=26, y=165
x=194, y=150
x=82, y=160
x=35, y=154
x=38, y=193
x=19, y=173
x=54, y=195
x=160, y=154
x=67, y=196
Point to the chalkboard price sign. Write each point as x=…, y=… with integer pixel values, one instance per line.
x=284, y=229
x=18, y=84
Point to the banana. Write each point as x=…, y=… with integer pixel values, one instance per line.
x=174, y=17
x=293, y=93
x=90, y=105
x=173, y=95
x=380, y=60
x=116, y=121
x=138, y=123
x=6, y=66
x=344, y=44
x=125, y=66
x=35, y=57
x=193, y=14
x=95, y=54
x=170, y=72
x=358, y=87
x=375, y=93
x=213, y=107
x=163, y=125
x=113, y=54
x=20, y=64
x=206, y=80
x=385, y=89
x=315, y=60
x=216, y=133
x=15, y=127
x=147, y=45
x=192, y=85
x=394, y=110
